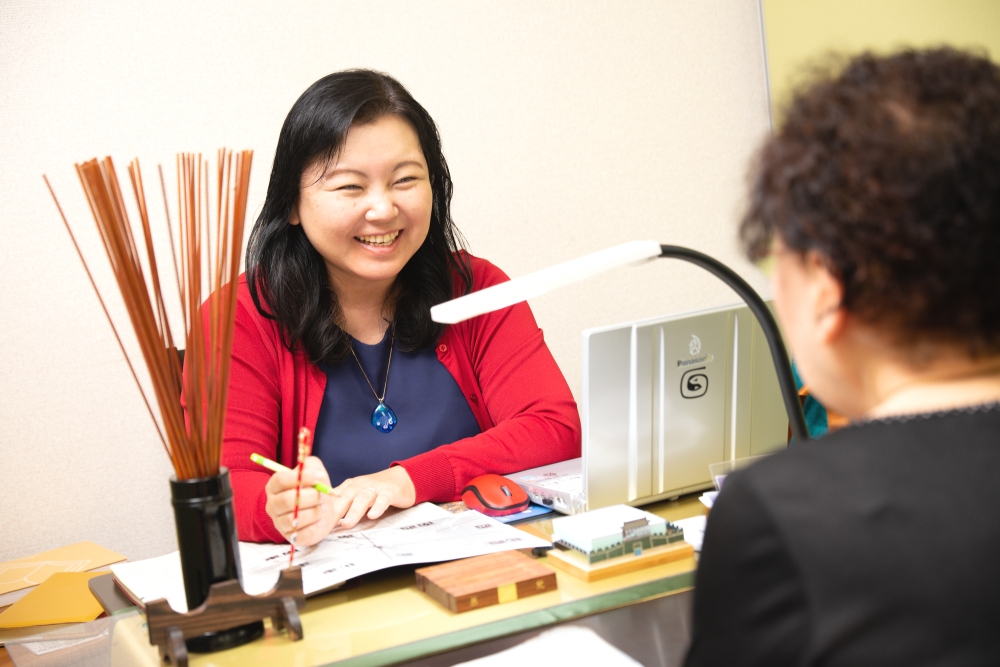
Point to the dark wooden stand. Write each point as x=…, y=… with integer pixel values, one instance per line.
x=227, y=606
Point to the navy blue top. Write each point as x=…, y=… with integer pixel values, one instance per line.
x=429, y=406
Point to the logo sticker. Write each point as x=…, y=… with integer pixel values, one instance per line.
x=694, y=347
x=694, y=383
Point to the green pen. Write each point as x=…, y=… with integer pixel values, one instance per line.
x=274, y=466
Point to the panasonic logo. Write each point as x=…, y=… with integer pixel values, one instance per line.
x=708, y=358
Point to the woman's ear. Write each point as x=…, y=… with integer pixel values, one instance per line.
x=828, y=298
x=293, y=217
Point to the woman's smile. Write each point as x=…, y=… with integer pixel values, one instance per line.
x=379, y=240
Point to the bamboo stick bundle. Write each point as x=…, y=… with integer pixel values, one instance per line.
x=194, y=442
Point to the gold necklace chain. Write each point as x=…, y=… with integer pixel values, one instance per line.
x=387, y=367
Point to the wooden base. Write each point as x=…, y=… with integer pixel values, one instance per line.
x=575, y=563
x=227, y=606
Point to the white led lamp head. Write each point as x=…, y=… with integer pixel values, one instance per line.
x=538, y=283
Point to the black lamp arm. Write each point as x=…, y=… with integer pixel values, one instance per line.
x=782, y=364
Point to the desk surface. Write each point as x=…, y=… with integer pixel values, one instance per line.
x=389, y=621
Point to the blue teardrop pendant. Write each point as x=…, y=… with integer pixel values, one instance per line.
x=383, y=418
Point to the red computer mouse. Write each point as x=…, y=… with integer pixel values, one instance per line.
x=494, y=495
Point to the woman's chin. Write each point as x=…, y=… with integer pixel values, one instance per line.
x=381, y=269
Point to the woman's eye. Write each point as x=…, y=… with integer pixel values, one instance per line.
x=349, y=187
x=406, y=179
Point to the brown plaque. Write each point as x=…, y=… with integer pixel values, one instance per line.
x=485, y=580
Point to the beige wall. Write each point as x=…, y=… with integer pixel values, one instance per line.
x=798, y=33
x=569, y=126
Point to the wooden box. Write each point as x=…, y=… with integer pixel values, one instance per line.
x=484, y=581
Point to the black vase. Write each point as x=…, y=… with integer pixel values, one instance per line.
x=206, y=537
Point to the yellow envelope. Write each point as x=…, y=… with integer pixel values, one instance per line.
x=33, y=570
x=62, y=598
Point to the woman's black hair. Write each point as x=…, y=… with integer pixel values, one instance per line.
x=287, y=277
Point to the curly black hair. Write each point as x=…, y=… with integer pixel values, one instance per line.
x=890, y=171
x=287, y=277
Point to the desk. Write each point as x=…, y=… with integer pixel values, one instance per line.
x=388, y=621
x=656, y=632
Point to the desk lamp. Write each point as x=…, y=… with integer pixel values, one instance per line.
x=540, y=282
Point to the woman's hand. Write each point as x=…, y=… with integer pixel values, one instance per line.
x=316, y=510
x=372, y=494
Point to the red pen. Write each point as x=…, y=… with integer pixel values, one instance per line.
x=305, y=447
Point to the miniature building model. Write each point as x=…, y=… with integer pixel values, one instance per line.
x=613, y=532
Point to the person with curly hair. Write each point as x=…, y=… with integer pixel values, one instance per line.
x=878, y=201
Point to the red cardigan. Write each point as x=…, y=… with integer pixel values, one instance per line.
x=500, y=361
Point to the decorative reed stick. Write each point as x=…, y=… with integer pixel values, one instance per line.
x=193, y=442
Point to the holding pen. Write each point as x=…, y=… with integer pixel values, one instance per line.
x=365, y=496
x=274, y=466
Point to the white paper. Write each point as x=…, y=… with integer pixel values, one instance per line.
x=49, y=645
x=571, y=483
x=565, y=645
x=694, y=530
x=422, y=534
x=708, y=498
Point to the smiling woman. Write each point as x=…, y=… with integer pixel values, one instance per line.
x=354, y=244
